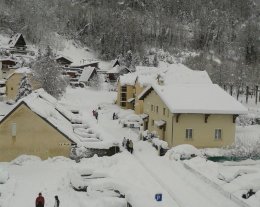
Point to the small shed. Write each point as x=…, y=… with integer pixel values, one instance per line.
x=17, y=42
x=64, y=61
x=88, y=74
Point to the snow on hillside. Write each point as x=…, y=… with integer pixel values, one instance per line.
x=4, y=39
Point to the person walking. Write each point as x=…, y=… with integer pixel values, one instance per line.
x=124, y=142
x=96, y=115
x=127, y=144
x=114, y=115
x=39, y=202
x=131, y=146
x=57, y=201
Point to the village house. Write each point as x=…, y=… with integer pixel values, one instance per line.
x=90, y=63
x=178, y=84
x=126, y=91
x=116, y=70
x=202, y=115
x=88, y=75
x=7, y=67
x=13, y=82
x=63, y=61
x=17, y=44
x=36, y=127
x=131, y=85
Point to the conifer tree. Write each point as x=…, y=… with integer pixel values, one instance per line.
x=25, y=88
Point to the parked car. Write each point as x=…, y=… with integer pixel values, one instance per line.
x=131, y=121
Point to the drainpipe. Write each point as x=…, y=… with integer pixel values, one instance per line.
x=172, y=129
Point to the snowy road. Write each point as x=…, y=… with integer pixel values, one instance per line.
x=176, y=180
x=178, y=185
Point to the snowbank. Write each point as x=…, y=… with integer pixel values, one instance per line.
x=4, y=176
x=24, y=159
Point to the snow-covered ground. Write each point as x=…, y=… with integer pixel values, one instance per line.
x=139, y=176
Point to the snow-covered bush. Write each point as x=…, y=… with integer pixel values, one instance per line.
x=4, y=176
x=184, y=151
x=24, y=159
x=244, y=148
x=246, y=120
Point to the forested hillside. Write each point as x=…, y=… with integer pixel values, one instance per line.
x=224, y=34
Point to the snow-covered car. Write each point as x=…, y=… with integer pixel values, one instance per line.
x=182, y=152
x=132, y=121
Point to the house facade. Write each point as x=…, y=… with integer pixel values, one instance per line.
x=17, y=44
x=25, y=132
x=64, y=61
x=125, y=96
x=13, y=82
x=200, y=124
x=89, y=76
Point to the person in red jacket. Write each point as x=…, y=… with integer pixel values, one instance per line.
x=39, y=202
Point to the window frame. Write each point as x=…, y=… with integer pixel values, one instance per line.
x=189, y=134
x=218, y=134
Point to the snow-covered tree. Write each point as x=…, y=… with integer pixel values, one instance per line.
x=25, y=88
x=48, y=74
x=95, y=82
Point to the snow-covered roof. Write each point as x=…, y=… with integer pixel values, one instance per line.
x=128, y=79
x=24, y=70
x=86, y=74
x=7, y=59
x=130, y=100
x=65, y=57
x=84, y=64
x=159, y=123
x=64, y=121
x=169, y=73
x=14, y=39
x=196, y=98
x=44, y=105
x=179, y=73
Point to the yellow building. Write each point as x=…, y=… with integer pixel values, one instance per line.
x=131, y=85
x=36, y=127
x=126, y=91
x=13, y=82
x=202, y=115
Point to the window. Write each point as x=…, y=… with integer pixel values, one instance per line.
x=157, y=109
x=123, y=97
x=152, y=122
x=123, y=89
x=188, y=134
x=152, y=107
x=164, y=111
x=13, y=129
x=218, y=133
